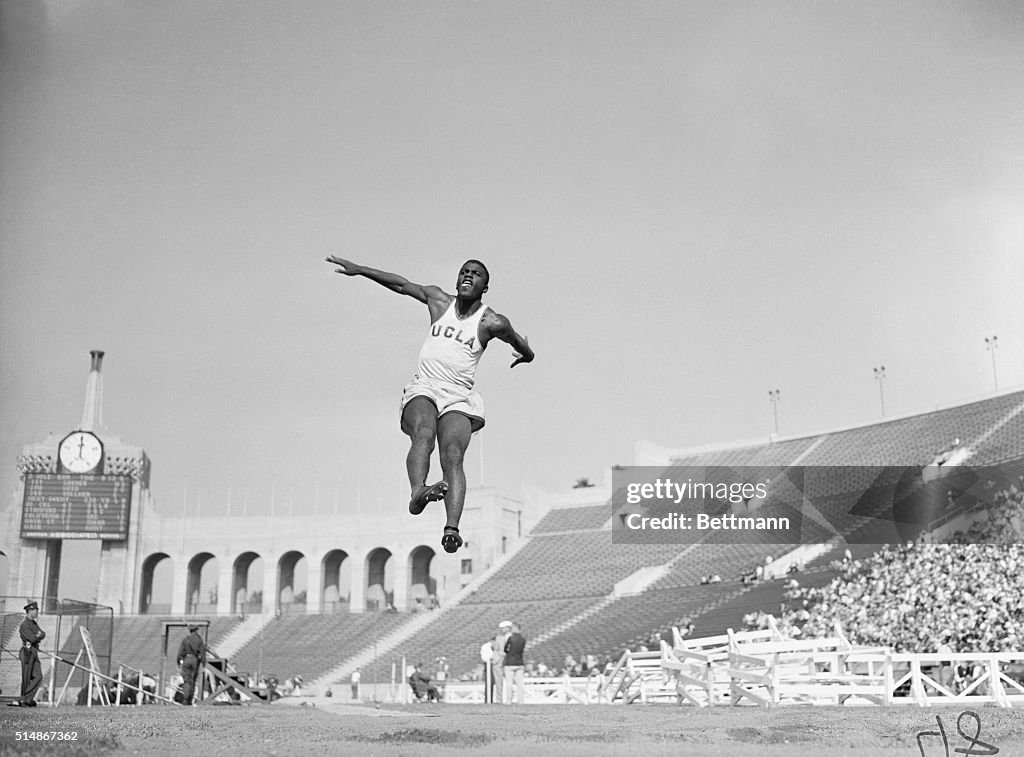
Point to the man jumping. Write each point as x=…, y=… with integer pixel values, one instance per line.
x=440, y=404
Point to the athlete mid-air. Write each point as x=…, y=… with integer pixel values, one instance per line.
x=439, y=404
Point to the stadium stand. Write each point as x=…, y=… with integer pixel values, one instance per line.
x=967, y=596
x=566, y=519
x=460, y=630
x=569, y=565
x=603, y=634
x=556, y=567
x=561, y=585
x=325, y=640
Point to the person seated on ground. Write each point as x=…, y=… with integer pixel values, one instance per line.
x=130, y=693
x=270, y=691
x=422, y=686
x=97, y=696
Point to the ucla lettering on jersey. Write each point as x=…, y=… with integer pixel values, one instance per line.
x=449, y=332
x=452, y=348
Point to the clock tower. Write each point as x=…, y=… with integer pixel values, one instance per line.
x=80, y=452
x=83, y=484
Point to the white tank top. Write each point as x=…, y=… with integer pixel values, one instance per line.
x=452, y=348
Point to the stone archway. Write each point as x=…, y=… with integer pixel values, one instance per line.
x=380, y=580
x=157, y=584
x=247, y=584
x=337, y=572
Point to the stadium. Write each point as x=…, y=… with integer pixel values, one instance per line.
x=259, y=212
x=749, y=623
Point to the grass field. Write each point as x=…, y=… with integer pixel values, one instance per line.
x=323, y=727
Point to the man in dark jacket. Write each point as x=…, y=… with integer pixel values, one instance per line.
x=31, y=671
x=514, y=669
x=191, y=654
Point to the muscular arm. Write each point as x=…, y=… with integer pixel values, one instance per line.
x=429, y=295
x=499, y=327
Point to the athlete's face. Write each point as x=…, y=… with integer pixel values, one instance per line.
x=472, y=281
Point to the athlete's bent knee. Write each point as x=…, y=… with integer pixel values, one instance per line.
x=452, y=456
x=423, y=435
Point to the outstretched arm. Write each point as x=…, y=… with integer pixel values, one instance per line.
x=499, y=327
x=392, y=281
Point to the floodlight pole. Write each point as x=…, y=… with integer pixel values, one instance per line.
x=990, y=345
x=880, y=378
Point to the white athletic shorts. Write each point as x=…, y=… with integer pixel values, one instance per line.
x=447, y=398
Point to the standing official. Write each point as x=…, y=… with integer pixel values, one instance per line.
x=31, y=670
x=191, y=654
x=514, y=667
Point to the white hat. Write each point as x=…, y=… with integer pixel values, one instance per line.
x=505, y=623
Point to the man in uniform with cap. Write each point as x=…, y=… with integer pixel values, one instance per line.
x=190, y=654
x=31, y=670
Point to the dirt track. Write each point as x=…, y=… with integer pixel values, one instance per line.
x=536, y=730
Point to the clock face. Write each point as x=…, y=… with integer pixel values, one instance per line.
x=80, y=452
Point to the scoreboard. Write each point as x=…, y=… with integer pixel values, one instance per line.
x=66, y=506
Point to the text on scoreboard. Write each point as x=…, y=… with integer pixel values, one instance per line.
x=63, y=506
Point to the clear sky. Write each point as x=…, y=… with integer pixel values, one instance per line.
x=683, y=205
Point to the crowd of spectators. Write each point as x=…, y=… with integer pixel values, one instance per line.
x=965, y=596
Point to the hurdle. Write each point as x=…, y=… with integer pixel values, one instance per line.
x=827, y=670
x=562, y=689
x=698, y=667
x=638, y=677
x=922, y=682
